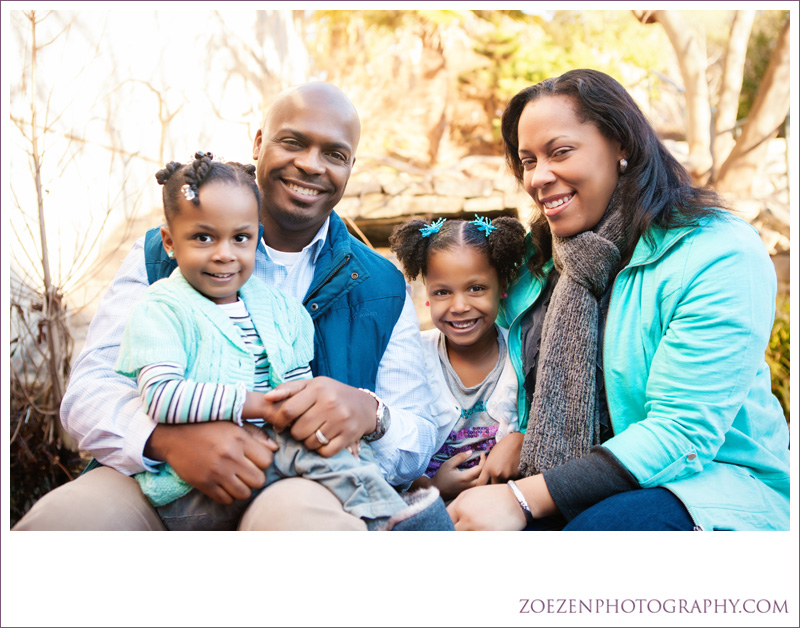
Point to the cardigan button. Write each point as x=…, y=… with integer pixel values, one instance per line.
x=691, y=457
x=314, y=307
x=354, y=276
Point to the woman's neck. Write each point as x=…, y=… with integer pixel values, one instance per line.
x=472, y=363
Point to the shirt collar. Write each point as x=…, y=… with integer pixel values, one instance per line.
x=316, y=244
x=314, y=247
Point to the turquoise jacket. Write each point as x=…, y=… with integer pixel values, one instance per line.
x=175, y=323
x=689, y=392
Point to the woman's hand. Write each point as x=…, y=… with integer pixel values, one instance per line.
x=451, y=481
x=494, y=506
x=489, y=507
x=502, y=464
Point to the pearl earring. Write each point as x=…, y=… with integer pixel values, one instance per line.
x=623, y=165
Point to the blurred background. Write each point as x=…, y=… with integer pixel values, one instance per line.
x=100, y=100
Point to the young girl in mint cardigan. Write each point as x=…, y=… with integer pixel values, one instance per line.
x=206, y=344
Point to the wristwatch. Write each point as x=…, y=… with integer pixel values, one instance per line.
x=382, y=418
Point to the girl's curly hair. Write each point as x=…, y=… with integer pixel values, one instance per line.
x=203, y=169
x=504, y=246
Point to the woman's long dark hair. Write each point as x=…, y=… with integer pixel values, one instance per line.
x=655, y=186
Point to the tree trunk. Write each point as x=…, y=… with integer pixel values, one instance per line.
x=731, y=87
x=433, y=68
x=57, y=337
x=690, y=49
x=738, y=174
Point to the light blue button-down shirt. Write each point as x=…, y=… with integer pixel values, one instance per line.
x=101, y=408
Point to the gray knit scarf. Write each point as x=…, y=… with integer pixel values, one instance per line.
x=564, y=418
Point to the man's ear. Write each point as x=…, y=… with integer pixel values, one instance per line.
x=166, y=239
x=257, y=144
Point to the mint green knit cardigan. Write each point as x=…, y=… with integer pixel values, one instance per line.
x=175, y=323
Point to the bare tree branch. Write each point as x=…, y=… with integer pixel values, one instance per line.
x=690, y=50
x=769, y=110
x=731, y=86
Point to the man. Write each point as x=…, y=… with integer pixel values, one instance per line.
x=366, y=337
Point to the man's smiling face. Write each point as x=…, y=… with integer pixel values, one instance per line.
x=305, y=154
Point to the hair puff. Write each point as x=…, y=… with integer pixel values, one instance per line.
x=411, y=248
x=163, y=175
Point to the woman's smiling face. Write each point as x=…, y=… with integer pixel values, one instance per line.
x=570, y=168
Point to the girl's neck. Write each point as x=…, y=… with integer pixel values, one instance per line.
x=472, y=363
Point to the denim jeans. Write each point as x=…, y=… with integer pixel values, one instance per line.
x=647, y=509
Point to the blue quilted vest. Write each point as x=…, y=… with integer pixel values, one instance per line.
x=353, y=318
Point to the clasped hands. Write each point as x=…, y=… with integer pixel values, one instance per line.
x=499, y=466
x=226, y=462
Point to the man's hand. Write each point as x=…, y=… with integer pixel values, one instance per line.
x=342, y=414
x=219, y=458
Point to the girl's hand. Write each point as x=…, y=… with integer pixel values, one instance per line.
x=451, y=481
x=502, y=464
x=487, y=508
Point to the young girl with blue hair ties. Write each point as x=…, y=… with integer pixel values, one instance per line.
x=466, y=266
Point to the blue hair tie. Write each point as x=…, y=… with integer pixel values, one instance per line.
x=483, y=224
x=432, y=228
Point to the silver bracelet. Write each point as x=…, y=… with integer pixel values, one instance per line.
x=523, y=503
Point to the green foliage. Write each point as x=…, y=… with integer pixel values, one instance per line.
x=763, y=37
x=778, y=353
x=523, y=51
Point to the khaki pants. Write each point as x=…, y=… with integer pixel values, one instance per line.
x=104, y=499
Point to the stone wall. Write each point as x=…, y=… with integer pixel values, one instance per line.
x=385, y=192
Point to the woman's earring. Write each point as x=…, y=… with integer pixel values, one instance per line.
x=170, y=254
x=427, y=303
x=623, y=165
x=505, y=294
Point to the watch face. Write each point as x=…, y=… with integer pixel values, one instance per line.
x=384, y=419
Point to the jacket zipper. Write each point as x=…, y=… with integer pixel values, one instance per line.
x=696, y=527
x=327, y=279
x=611, y=299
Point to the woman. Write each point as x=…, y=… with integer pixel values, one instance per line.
x=637, y=330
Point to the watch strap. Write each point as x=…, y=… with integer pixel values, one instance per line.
x=381, y=418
